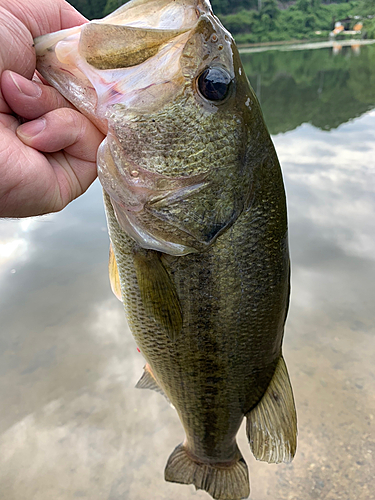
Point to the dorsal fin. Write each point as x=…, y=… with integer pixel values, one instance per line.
x=114, y=277
x=272, y=425
x=158, y=292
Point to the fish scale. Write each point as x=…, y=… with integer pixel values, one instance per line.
x=146, y=139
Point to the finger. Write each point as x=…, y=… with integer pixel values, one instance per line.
x=21, y=22
x=62, y=129
x=30, y=99
x=70, y=17
x=46, y=17
x=9, y=122
x=34, y=183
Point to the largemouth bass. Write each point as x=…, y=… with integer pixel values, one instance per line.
x=197, y=220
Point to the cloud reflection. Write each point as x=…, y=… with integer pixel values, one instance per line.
x=329, y=178
x=73, y=426
x=14, y=240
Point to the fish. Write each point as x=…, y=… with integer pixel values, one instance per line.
x=197, y=221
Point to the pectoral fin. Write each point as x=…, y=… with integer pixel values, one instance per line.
x=107, y=46
x=272, y=425
x=114, y=277
x=159, y=295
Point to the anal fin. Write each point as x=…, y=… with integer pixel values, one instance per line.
x=158, y=292
x=272, y=425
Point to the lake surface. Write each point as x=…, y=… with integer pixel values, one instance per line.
x=72, y=425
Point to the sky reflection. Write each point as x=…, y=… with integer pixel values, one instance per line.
x=71, y=423
x=331, y=201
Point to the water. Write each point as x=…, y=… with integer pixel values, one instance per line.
x=71, y=423
x=325, y=87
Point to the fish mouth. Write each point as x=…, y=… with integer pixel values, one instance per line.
x=118, y=59
x=135, y=191
x=134, y=62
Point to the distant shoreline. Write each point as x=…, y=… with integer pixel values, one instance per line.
x=300, y=45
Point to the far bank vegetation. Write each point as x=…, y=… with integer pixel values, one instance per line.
x=259, y=21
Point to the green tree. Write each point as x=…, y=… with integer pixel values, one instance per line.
x=241, y=22
x=230, y=6
x=92, y=9
x=308, y=5
x=366, y=8
x=312, y=86
x=112, y=5
x=270, y=9
x=253, y=21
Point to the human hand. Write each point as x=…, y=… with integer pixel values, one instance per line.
x=50, y=160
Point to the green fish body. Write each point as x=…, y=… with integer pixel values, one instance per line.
x=197, y=220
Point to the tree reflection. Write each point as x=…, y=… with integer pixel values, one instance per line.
x=315, y=86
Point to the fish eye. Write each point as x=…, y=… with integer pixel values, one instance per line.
x=214, y=84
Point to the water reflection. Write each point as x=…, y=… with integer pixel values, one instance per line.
x=72, y=424
x=320, y=87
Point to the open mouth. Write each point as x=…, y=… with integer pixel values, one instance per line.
x=134, y=62
x=130, y=57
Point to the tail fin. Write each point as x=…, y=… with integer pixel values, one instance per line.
x=221, y=481
x=272, y=425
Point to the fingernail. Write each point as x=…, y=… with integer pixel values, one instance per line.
x=31, y=129
x=26, y=86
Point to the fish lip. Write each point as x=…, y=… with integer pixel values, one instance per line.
x=130, y=220
x=134, y=195
x=144, y=237
x=153, y=13
x=184, y=16
x=182, y=187
x=111, y=87
x=189, y=185
x=134, y=189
